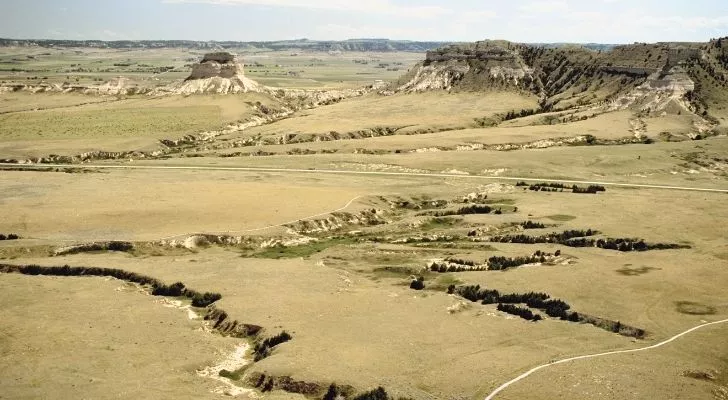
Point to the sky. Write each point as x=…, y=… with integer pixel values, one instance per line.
x=576, y=21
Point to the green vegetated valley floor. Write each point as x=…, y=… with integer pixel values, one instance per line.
x=365, y=225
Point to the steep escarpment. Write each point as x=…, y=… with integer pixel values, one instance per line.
x=651, y=78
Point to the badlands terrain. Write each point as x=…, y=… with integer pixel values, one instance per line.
x=363, y=220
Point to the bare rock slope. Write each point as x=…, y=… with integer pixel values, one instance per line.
x=649, y=78
x=217, y=73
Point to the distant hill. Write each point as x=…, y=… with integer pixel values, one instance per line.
x=363, y=44
x=381, y=45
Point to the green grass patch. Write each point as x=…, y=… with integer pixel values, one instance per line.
x=442, y=282
x=304, y=250
x=112, y=122
x=233, y=375
x=561, y=217
x=499, y=201
x=440, y=222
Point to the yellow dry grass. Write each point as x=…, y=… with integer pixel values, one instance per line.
x=99, y=338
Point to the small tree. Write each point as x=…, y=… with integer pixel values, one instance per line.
x=418, y=284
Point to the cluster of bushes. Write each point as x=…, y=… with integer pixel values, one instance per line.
x=560, y=238
x=522, y=312
x=263, y=349
x=97, y=246
x=559, y=187
x=499, y=263
x=203, y=299
x=419, y=205
x=418, y=284
x=267, y=383
x=532, y=225
x=495, y=263
x=591, y=189
x=624, y=245
x=454, y=266
x=521, y=114
x=467, y=210
x=158, y=288
x=376, y=394
x=460, y=261
x=10, y=236
x=542, y=301
x=345, y=392
x=580, y=238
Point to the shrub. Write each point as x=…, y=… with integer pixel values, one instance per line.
x=204, y=300
x=522, y=312
x=532, y=225
x=376, y=394
x=262, y=349
x=418, y=284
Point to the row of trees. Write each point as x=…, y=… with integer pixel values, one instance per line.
x=10, y=236
x=536, y=300
x=559, y=187
x=522, y=312
x=542, y=301
x=451, y=266
x=581, y=238
x=467, y=210
x=560, y=238
x=624, y=245
x=159, y=288
x=500, y=263
x=495, y=263
x=591, y=189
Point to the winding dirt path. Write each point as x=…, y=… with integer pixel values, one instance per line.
x=524, y=375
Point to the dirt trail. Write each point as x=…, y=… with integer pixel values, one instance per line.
x=502, y=387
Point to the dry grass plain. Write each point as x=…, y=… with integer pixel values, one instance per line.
x=411, y=112
x=340, y=305
x=113, y=124
x=99, y=338
x=144, y=206
x=345, y=297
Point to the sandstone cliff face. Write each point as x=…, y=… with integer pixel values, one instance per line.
x=650, y=77
x=480, y=65
x=223, y=65
x=217, y=73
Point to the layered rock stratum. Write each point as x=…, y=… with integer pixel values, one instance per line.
x=217, y=73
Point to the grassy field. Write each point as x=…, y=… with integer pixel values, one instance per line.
x=339, y=305
x=289, y=69
x=411, y=112
x=114, y=125
x=315, y=70
x=108, y=340
x=339, y=281
x=143, y=206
